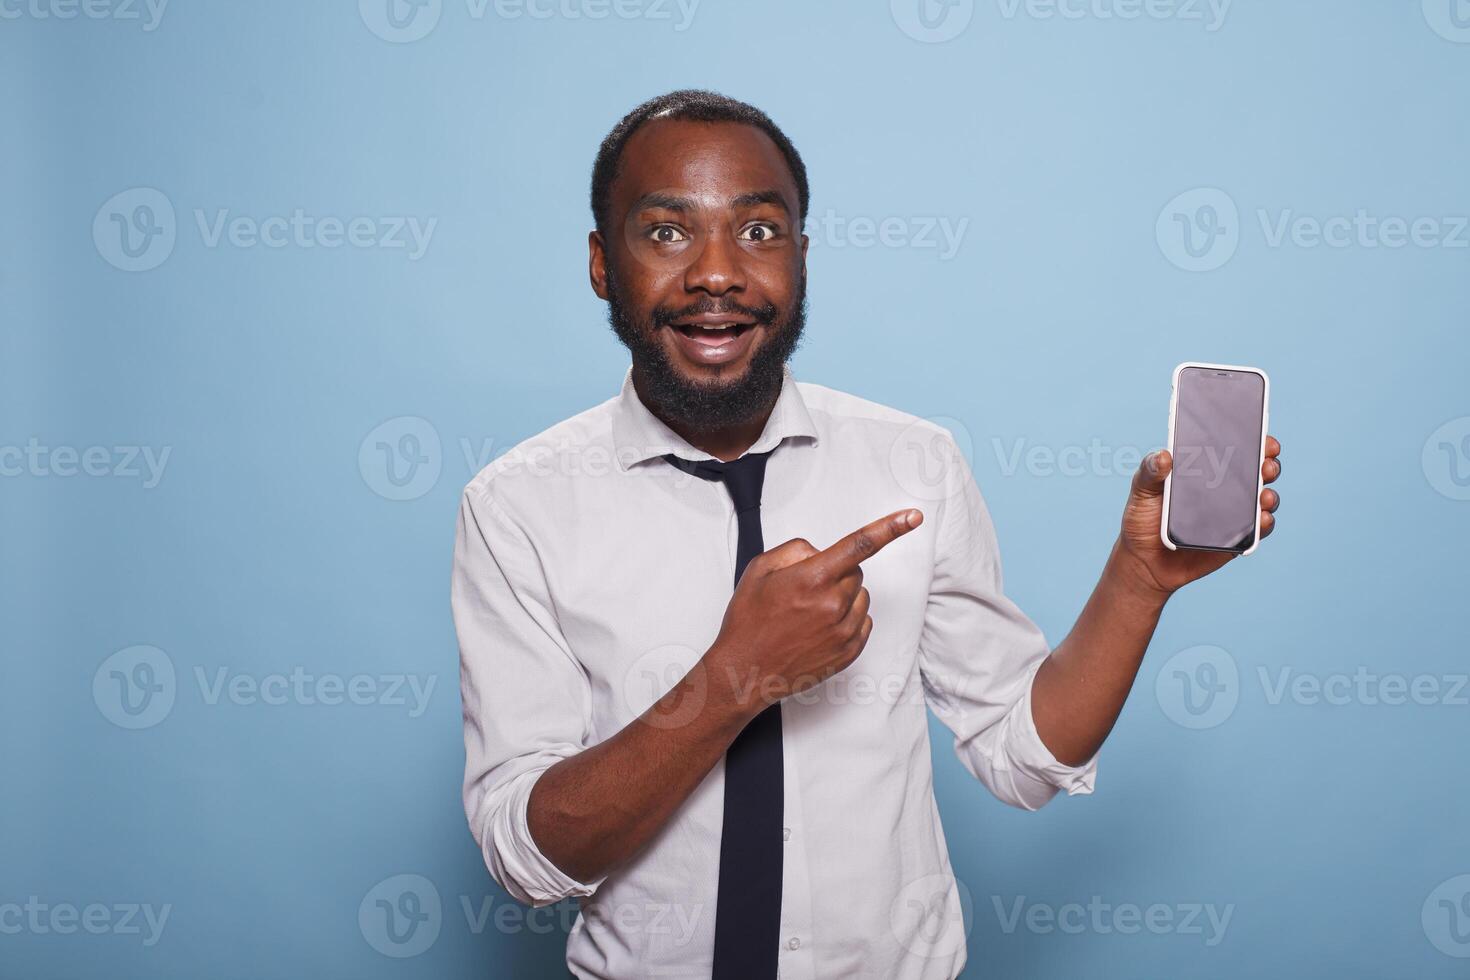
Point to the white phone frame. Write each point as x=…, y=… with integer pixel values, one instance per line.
x=1260, y=477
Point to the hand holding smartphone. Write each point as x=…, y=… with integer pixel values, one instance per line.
x=1218, y=417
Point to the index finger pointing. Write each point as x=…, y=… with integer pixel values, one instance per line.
x=864, y=543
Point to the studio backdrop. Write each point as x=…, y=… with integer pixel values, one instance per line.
x=278, y=278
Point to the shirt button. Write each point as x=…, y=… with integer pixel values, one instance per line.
x=794, y=943
x=785, y=833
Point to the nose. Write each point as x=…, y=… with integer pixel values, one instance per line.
x=717, y=269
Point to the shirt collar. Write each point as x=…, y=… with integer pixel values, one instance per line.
x=639, y=435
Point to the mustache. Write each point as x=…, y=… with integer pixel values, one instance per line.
x=765, y=315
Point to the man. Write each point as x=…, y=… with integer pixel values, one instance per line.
x=740, y=785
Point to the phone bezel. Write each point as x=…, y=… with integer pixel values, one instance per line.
x=1260, y=477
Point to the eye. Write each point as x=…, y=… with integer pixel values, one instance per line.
x=760, y=231
x=667, y=234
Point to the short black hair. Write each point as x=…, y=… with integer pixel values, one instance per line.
x=697, y=105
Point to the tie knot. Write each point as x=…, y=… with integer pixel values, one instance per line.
x=742, y=477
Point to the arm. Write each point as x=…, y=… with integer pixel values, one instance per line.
x=593, y=811
x=797, y=617
x=1080, y=689
x=553, y=812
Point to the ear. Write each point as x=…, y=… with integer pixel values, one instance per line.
x=597, y=263
x=805, y=241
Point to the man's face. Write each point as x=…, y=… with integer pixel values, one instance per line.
x=703, y=266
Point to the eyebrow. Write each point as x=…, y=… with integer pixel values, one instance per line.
x=670, y=202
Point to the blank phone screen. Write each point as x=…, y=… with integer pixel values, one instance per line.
x=1217, y=452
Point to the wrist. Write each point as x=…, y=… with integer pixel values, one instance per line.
x=734, y=692
x=1128, y=576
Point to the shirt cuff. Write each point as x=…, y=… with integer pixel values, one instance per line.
x=1030, y=754
x=517, y=862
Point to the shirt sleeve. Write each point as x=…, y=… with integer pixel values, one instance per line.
x=979, y=655
x=526, y=698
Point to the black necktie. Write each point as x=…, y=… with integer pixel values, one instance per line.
x=748, y=909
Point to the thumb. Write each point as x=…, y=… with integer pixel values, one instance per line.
x=1149, y=480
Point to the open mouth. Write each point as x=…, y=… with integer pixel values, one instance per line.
x=712, y=336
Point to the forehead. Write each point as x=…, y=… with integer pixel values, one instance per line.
x=716, y=160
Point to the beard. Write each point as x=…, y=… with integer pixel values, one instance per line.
x=716, y=403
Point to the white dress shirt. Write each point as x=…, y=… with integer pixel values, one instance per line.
x=590, y=575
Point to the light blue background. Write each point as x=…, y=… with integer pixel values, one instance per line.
x=267, y=547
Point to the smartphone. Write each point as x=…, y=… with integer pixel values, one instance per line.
x=1218, y=414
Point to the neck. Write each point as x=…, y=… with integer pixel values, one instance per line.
x=725, y=442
